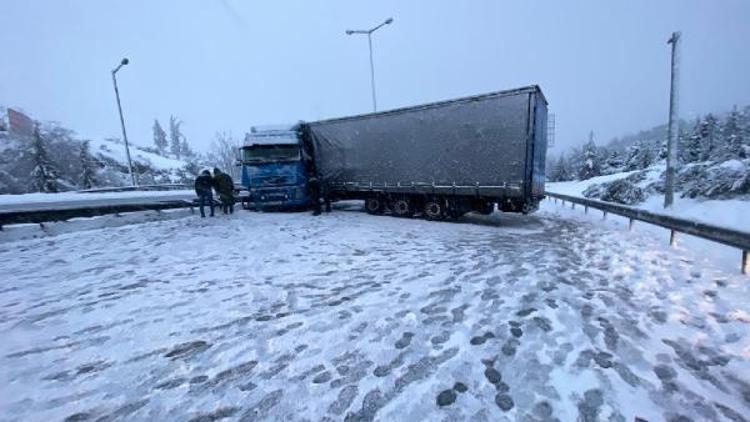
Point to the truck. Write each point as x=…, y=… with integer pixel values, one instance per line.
x=438, y=160
x=274, y=172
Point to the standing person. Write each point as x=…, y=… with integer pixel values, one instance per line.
x=203, y=185
x=225, y=188
x=313, y=184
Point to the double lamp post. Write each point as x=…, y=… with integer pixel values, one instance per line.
x=369, y=32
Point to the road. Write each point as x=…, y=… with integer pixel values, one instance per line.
x=356, y=317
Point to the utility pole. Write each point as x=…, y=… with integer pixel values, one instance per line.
x=369, y=32
x=122, y=121
x=674, y=120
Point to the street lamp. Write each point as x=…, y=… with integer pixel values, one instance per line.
x=369, y=32
x=122, y=120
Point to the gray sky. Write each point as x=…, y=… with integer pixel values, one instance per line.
x=227, y=65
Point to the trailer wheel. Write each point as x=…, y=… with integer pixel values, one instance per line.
x=403, y=207
x=434, y=210
x=374, y=205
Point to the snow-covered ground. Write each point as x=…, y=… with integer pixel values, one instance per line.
x=730, y=213
x=357, y=317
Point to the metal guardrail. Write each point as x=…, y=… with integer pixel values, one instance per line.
x=723, y=235
x=47, y=215
x=168, y=186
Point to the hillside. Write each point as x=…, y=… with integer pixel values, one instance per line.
x=713, y=161
x=70, y=157
x=713, y=170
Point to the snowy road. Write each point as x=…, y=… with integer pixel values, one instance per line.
x=356, y=317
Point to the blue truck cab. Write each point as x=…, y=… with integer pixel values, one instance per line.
x=273, y=170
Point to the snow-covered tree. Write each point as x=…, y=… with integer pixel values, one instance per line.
x=709, y=133
x=160, y=138
x=639, y=156
x=44, y=176
x=613, y=163
x=692, y=147
x=175, y=136
x=88, y=174
x=224, y=153
x=733, y=136
x=590, y=164
x=185, y=150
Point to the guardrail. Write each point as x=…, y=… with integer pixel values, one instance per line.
x=168, y=186
x=723, y=235
x=47, y=215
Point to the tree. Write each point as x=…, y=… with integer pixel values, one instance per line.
x=560, y=172
x=640, y=156
x=692, y=150
x=613, y=163
x=160, y=138
x=709, y=131
x=733, y=136
x=224, y=153
x=185, y=150
x=175, y=136
x=88, y=174
x=590, y=165
x=44, y=175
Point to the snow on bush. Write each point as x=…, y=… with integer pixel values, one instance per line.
x=730, y=179
x=623, y=191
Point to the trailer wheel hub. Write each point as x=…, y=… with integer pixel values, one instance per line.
x=433, y=210
x=402, y=208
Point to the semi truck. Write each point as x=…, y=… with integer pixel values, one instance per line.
x=438, y=160
x=274, y=172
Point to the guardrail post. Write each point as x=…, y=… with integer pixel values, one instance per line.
x=745, y=261
x=585, y=209
x=604, y=215
x=572, y=205
x=630, y=224
x=672, y=238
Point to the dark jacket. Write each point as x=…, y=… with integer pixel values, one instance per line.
x=224, y=184
x=203, y=185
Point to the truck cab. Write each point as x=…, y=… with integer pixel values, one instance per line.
x=273, y=170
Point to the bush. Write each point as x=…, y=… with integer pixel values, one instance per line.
x=621, y=191
x=728, y=180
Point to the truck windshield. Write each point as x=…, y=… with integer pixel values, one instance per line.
x=270, y=153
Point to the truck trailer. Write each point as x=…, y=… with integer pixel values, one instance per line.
x=438, y=160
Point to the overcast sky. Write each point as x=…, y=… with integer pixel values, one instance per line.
x=228, y=65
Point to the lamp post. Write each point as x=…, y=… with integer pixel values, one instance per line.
x=122, y=120
x=369, y=32
x=674, y=120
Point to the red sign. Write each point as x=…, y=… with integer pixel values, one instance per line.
x=20, y=123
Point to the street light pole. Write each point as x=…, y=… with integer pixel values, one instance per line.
x=674, y=120
x=369, y=32
x=122, y=121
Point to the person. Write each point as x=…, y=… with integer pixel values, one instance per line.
x=313, y=185
x=203, y=185
x=225, y=188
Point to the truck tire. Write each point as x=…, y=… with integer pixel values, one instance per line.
x=434, y=209
x=486, y=208
x=403, y=207
x=374, y=205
